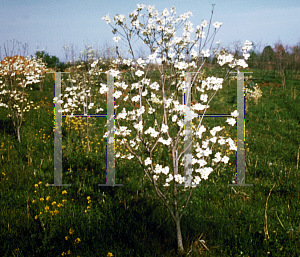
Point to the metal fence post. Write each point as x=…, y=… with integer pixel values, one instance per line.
x=240, y=154
x=110, y=169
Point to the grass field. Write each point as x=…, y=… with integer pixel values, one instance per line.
x=87, y=220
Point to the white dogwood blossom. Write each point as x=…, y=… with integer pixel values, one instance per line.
x=106, y=18
x=217, y=24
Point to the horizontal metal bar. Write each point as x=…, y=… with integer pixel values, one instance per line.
x=101, y=115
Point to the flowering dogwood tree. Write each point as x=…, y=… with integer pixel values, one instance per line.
x=15, y=74
x=182, y=54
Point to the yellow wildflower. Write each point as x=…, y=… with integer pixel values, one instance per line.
x=77, y=240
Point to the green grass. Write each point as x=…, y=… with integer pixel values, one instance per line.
x=129, y=221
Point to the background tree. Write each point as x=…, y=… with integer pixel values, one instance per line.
x=50, y=61
x=295, y=56
x=15, y=46
x=253, y=60
x=282, y=58
x=235, y=49
x=267, y=58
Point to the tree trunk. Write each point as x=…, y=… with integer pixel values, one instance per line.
x=18, y=133
x=180, y=249
x=17, y=124
x=283, y=78
x=41, y=87
x=176, y=216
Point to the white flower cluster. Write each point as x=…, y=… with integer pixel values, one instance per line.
x=257, y=93
x=155, y=29
x=232, y=63
x=205, y=151
x=22, y=71
x=166, y=24
x=212, y=83
x=205, y=171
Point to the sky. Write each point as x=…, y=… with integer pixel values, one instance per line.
x=49, y=25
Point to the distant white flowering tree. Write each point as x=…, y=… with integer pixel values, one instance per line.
x=16, y=73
